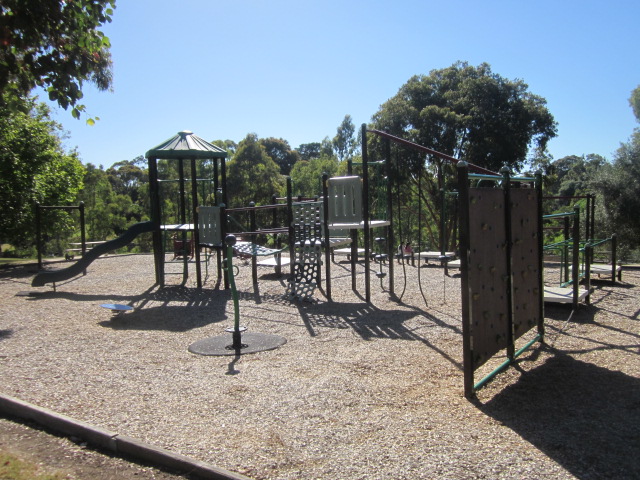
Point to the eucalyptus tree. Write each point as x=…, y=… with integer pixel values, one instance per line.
x=252, y=175
x=345, y=141
x=280, y=152
x=466, y=112
x=470, y=113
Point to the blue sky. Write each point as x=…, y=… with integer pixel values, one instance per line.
x=293, y=69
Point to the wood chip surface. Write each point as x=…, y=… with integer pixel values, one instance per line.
x=359, y=391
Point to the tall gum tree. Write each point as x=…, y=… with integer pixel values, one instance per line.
x=470, y=113
x=466, y=112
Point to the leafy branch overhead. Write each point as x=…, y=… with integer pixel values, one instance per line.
x=55, y=45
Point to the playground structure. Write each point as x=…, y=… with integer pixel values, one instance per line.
x=501, y=264
x=183, y=147
x=569, y=290
x=186, y=149
x=601, y=261
x=501, y=242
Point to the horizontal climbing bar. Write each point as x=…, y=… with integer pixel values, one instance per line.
x=505, y=364
x=595, y=243
x=558, y=215
x=256, y=207
x=500, y=177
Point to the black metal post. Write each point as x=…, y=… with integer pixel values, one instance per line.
x=327, y=246
x=292, y=251
x=83, y=233
x=575, y=273
x=158, y=247
x=365, y=214
x=194, y=219
x=614, y=258
x=467, y=345
x=253, y=227
x=540, y=245
x=39, y=236
x=389, y=233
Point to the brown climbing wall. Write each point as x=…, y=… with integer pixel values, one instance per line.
x=525, y=261
x=487, y=273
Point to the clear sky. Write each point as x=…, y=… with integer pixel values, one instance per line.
x=293, y=69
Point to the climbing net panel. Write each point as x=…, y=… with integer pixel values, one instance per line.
x=307, y=238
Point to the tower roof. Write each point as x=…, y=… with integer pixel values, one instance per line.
x=186, y=144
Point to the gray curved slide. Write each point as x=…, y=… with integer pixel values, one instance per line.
x=78, y=267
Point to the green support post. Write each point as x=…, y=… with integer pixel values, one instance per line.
x=230, y=241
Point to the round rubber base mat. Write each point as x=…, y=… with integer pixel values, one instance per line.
x=223, y=344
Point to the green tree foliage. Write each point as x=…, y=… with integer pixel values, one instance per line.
x=34, y=168
x=470, y=113
x=114, y=201
x=345, y=143
x=307, y=151
x=306, y=175
x=281, y=153
x=572, y=175
x=619, y=203
x=229, y=145
x=463, y=111
x=618, y=187
x=634, y=101
x=252, y=175
x=127, y=177
x=56, y=45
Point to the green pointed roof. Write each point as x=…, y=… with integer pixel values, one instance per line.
x=186, y=145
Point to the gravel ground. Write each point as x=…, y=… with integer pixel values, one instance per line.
x=359, y=391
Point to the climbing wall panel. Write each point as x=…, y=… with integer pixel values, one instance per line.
x=487, y=273
x=525, y=261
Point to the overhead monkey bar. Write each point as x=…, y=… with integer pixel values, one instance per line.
x=444, y=156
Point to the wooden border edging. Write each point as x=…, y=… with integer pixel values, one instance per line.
x=120, y=444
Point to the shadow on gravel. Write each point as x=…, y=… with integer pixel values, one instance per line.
x=172, y=308
x=369, y=322
x=583, y=416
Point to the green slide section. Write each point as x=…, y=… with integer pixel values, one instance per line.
x=78, y=267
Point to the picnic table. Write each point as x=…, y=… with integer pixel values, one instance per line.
x=69, y=253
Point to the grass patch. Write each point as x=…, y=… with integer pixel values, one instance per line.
x=16, y=261
x=13, y=468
